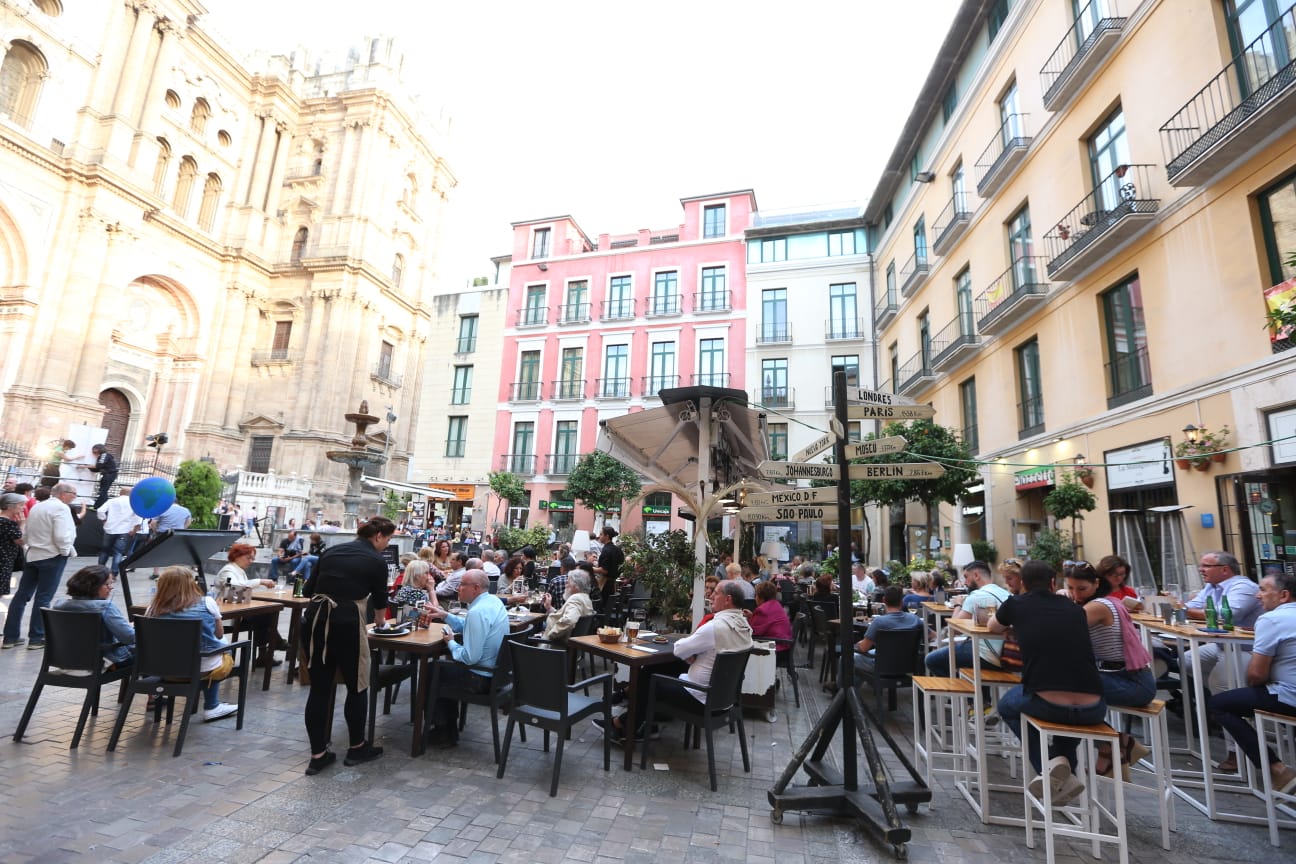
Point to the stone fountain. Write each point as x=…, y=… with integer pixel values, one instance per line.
x=357, y=459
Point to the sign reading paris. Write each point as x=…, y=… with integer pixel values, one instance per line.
x=890, y=412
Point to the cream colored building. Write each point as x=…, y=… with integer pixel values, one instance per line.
x=233, y=256
x=1074, y=240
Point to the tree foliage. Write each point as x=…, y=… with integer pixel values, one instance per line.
x=1070, y=500
x=507, y=486
x=926, y=440
x=198, y=488
x=667, y=564
x=602, y=482
x=513, y=539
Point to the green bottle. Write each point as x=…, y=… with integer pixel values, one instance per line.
x=1226, y=614
x=299, y=584
x=1211, y=619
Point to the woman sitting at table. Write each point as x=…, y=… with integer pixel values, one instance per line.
x=512, y=581
x=416, y=586
x=1121, y=684
x=1114, y=570
x=770, y=620
x=90, y=590
x=441, y=557
x=178, y=596
x=824, y=588
x=576, y=604
x=240, y=556
x=921, y=587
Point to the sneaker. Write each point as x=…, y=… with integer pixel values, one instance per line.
x=222, y=709
x=318, y=765
x=14, y=644
x=1284, y=779
x=360, y=755
x=36, y=645
x=1057, y=771
x=1070, y=790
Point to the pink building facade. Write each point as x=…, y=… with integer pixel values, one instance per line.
x=595, y=328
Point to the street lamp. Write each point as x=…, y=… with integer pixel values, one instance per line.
x=1192, y=433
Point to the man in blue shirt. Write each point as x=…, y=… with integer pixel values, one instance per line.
x=174, y=518
x=483, y=628
x=896, y=618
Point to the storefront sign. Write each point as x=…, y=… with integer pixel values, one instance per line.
x=1034, y=478
x=460, y=491
x=655, y=510
x=561, y=506
x=1282, y=425
x=973, y=511
x=1141, y=465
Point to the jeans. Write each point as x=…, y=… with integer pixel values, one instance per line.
x=105, y=483
x=41, y=579
x=114, y=548
x=1134, y=689
x=445, y=711
x=304, y=565
x=1232, y=707
x=938, y=662
x=1016, y=702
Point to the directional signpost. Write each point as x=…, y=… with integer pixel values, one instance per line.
x=876, y=447
x=819, y=471
x=814, y=448
x=890, y=412
x=791, y=513
x=823, y=495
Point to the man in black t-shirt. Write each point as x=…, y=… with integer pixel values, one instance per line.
x=1060, y=680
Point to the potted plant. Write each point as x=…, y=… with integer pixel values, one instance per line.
x=1200, y=453
x=666, y=563
x=1085, y=475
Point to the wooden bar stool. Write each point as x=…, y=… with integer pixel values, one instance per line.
x=1083, y=820
x=935, y=739
x=1283, y=725
x=999, y=740
x=1153, y=716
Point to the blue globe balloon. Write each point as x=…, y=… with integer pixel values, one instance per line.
x=152, y=496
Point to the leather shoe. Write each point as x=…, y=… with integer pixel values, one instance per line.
x=267, y=660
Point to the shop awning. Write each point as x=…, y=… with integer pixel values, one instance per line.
x=408, y=488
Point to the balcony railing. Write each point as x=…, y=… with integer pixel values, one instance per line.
x=1030, y=416
x=525, y=391
x=618, y=310
x=561, y=464
x=970, y=438
x=1003, y=155
x=775, y=397
x=1250, y=100
x=1129, y=378
x=769, y=334
x=466, y=345
x=460, y=395
x=567, y=391
x=885, y=309
x=275, y=355
x=522, y=464
x=574, y=313
x=1081, y=53
x=1011, y=296
x=654, y=383
x=660, y=305
x=914, y=272
x=916, y=372
x=712, y=301
x=383, y=374
x=841, y=328
x=612, y=388
x=951, y=223
x=955, y=343
x=1104, y=221
x=711, y=379
x=533, y=316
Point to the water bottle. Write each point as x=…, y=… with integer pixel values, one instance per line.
x=1226, y=614
x=1211, y=618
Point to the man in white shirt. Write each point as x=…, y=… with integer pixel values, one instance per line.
x=50, y=536
x=489, y=566
x=120, y=525
x=985, y=594
x=449, y=588
x=862, y=581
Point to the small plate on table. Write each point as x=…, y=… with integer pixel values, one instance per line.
x=1213, y=630
x=390, y=632
x=647, y=635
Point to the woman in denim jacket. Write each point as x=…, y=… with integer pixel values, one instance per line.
x=90, y=590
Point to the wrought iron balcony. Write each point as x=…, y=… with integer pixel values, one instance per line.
x=533, y=316
x=712, y=301
x=460, y=395
x=1004, y=154
x=955, y=343
x=1129, y=378
x=574, y=313
x=466, y=345
x=951, y=224
x=660, y=305
x=612, y=388
x=1030, y=417
x=561, y=464
x=884, y=311
x=1012, y=296
x=711, y=379
x=618, y=310
x=1081, y=53
x=914, y=272
x=383, y=374
x=654, y=383
x=1104, y=221
x=526, y=391
x=916, y=373
x=842, y=328
x=570, y=390
x=775, y=397
x=522, y=464
x=1251, y=100
x=769, y=334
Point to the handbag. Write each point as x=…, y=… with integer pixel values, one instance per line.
x=1136, y=654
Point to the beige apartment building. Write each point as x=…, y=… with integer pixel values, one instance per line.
x=1074, y=241
x=233, y=256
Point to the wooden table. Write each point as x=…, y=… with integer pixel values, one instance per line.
x=425, y=644
x=644, y=654
x=236, y=612
x=295, y=606
x=932, y=634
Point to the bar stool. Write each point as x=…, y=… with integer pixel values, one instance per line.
x=935, y=739
x=1083, y=821
x=1283, y=725
x=999, y=740
x=1153, y=716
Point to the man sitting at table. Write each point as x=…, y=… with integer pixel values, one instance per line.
x=1270, y=677
x=895, y=618
x=483, y=628
x=290, y=549
x=449, y=586
x=576, y=604
x=984, y=593
x=726, y=632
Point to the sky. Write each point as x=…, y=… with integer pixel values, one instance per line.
x=612, y=112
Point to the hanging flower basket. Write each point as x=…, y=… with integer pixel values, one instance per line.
x=1183, y=464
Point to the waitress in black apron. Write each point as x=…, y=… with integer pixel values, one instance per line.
x=335, y=640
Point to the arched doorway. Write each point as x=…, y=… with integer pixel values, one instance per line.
x=116, y=418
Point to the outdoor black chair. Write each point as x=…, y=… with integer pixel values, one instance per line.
x=784, y=660
x=723, y=707
x=167, y=666
x=542, y=698
x=826, y=635
x=896, y=658
x=575, y=659
x=72, y=658
x=498, y=696
x=390, y=675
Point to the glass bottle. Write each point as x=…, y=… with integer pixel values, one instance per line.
x=1211, y=619
x=1226, y=614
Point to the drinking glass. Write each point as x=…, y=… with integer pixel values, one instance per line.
x=456, y=608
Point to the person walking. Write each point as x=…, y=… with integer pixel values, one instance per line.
x=51, y=534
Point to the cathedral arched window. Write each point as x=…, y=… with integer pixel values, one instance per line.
x=299, y=245
x=210, y=198
x=52, y=8
x=160, y=167
x=398, y=270
x=21, y=74
x=184, y=185
x=198, y=120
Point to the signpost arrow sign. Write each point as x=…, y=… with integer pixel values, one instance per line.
x=874, y=397
x=789, y=514
x=798, y=471
x=899, y=471
x=890, y=412
x=814, y=448
x=876, y=447
x=824, y=495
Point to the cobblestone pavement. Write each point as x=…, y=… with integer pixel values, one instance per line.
x=241, y=796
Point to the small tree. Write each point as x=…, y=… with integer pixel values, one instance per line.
x=198, y=488
x=666, y=564
x=1070, y=500
x=602, y=482
x=1053, y=547
x=507, y=486
x=394, y=504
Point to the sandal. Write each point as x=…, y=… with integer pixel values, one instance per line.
x=1103, y=762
